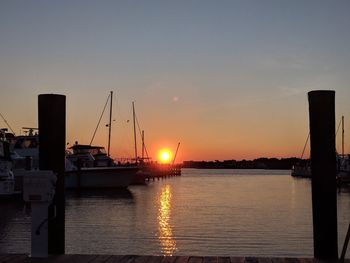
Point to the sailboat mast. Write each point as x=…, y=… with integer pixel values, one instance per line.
x=134, y=120
x=342, y=141
x=110, y=125
x=178, y=145
x=143, y=145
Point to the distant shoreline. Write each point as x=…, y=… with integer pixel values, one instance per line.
x=260, y=163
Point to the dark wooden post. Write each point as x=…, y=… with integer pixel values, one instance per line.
x=323, y=167
x=52, y=143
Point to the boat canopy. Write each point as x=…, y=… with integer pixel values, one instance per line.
x=81, y=148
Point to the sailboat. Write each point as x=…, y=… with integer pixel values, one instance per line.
x=92, y=167
x=149, y=169
x=343, y=163
x=303, y=167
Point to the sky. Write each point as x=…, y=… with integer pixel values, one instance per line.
x=226, y=79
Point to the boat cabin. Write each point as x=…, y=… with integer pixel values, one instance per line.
x=89, y=156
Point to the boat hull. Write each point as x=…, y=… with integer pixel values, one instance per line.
x=100, y=177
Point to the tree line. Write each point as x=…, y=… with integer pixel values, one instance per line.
x=260, y=163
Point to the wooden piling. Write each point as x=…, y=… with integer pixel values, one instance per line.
x=323, y=167
x=52, y=143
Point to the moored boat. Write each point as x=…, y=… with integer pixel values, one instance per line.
x=90, y=167
x=299, y=170
x=100, y=177
x=86, y=166
x=7, y=181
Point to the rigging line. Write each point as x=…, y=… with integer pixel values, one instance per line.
x=93, y=136
x=337, y=133
x=337, y=128
x=307, y=140
x=8, y=125
x=138, y=126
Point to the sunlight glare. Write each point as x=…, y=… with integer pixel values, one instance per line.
x=166, y=238
x=165, y=156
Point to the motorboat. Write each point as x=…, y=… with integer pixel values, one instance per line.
x=89, y=156
x=90, y=167
x=86, y=166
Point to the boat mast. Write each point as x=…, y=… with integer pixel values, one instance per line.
x=143, y=145
x=110, y=125
x=134, y=118
x=342, y=141
x=8, y=125
x=178, y=145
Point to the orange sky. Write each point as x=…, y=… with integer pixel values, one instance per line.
x=229, y=80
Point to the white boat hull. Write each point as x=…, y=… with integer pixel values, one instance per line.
x=100, y=177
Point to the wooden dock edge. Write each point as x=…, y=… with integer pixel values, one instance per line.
x=77, y=258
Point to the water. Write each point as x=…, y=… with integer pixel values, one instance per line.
x=203, y=212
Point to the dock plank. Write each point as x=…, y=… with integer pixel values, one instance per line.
x=119, y=259
x=305, y=260
x=195, y=260
x=100, y=259
x=278, y=260
x=168, y=259
x=224, y=260
x=210, y=260
x=141, y=259
x=92, y=258
x=155, y=259
x=182, y=259
x=79, y=258
x=76, y=258
x=21, y=258
x=11, y=258
x=264, y=260
x=251, y=260
x=292, y=260
x=237, y=259
x=3, y=257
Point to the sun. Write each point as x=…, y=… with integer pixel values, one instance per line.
x=164, y=156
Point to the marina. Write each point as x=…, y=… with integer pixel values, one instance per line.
x=165, y=218
x=238, y=84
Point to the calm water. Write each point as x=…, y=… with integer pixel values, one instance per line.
x=203, y=212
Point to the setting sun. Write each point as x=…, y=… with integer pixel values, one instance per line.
x=164, y=156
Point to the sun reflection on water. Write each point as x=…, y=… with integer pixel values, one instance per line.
x=167, y=241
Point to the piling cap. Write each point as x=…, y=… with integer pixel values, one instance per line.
x=51, y=95
x=321, y=92
x=320, y=96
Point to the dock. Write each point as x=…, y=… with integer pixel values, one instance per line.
x=161, y=174
x=19, y=258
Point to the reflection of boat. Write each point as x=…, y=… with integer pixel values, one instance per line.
x=105, y=193
x=7, y=181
